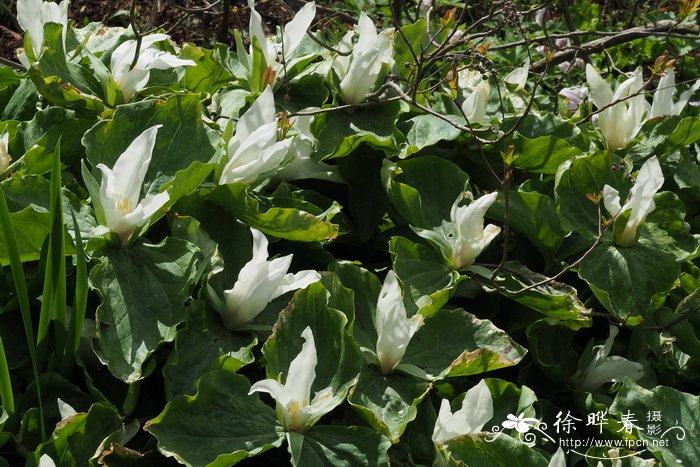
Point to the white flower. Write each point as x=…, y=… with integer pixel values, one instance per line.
x=476, y=411
x=301, y=166
x=520, y=423
x=359, y=71
x=394, y=329
x=604, y=368
x=640, y=201
x=32, y=15
x=518, y=77
x=294, y=396
x=254, y=150
x=259, y=282
x=476, y=91
x=620, y=122
x=463, y=238
x=4, y=155
x=574, y=96
x=132, y=80
x=274, y=53
x=117, y=199
x=663, y=97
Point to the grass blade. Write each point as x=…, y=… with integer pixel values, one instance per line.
x=6, y=395
x=8, y=233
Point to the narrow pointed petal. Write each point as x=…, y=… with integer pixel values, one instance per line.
x=477, y=407
x=296, y=281
x=474, y=106
x=394, y=329
x=649, y=181
x=130, y=168
x=361, y=76
x=611, y=200
x=447, y=426
x=295, y=30
x=278, y=392
x=612, y=369
x=29, y=19
x=302, y=370
x=663, y=97
x=153, y=203
x=600, y=91
x=262, y=112
x=518, y=77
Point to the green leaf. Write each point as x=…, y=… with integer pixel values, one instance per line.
x=479, y=450
x=209, y=74
x=143, y=290
x=412, y=39
x=552, y=348
x=366, y=288
x=467, y=346
x=583, y=176
x=427, y=281
x=368, y=201
x=40, y=135
x=424, y=189
x=339, y=357
x=679, y=421
x=332, y=446
x=534, y=215
x=684, y=135
x=80, y=438
x=543, y=143
x=555, y=299
x=425, y=131
x=341, y=132
x=625, y=280
x=185, y=148
x=388, y=403
x=220, y=426
x=283, y=222
x=196, y=350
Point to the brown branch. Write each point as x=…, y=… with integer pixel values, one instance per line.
x=622, y=37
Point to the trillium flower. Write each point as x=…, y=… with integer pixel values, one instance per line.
x=604, y=368
x=130, y=80
x=394, y=329
x=275, y=54
x=32, y=15
x=301, y=166
x=294, y=396
x=359, y=71
x=117, y=199
x=476, y=411
x=259, y=282
x=521, y=423
x=640, y=201
x=663, y=97
x=4, y=155
x=476, y=91
x=463, y=238
x=254, y=150
x=620, y=122
x=518, y=77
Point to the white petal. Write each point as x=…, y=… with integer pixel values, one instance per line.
x=447, y=426
x=394, y=329
x=29, y=19
x=278, y=392
x=153, y=203
x=262, y=112
x=600, y=91
x=663, y=97
x=296, y=281
x=367, y=32
x=130, y=168
x=518, y=77
x=65, y=409
x=295, y=30
x=612, y=369
x=363, y=73
x=611, y=200
x=477, y=407
x=132, y=82
x=474, y=106
x=649, y=181
x=302, y=370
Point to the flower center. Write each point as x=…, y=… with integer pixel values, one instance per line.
x=124, y=205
